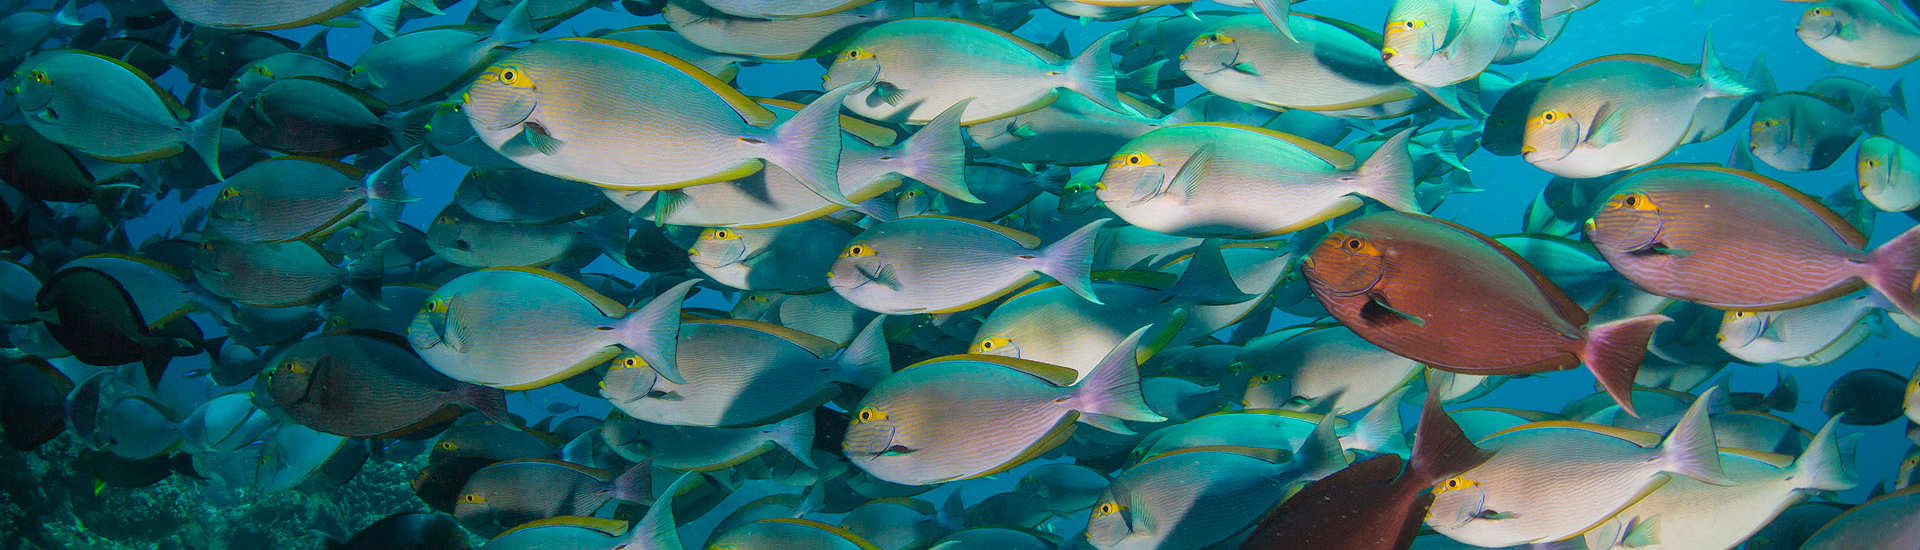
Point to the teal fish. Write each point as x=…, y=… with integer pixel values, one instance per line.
x=467, y=240
x=279, y=274
x=745, y=373
x=1863, y=33
x=922, y=66
x=1799, y=131
x=109, y=110
x=1225, y=180
x=662, y=37
x=522, y=328
x=702, y=449
x=784, y=9
x=524, y=196
x=966, y=416
x=1889, y=174
x=1192, y=498
x=541, y=106
x=1326, y=371
x=1814, y=334
x=507, y=494
x=937, y=264
x=792, y=257
x=821, y=313
x=1620, y=112
x=362, y=386
x=277, y=14
x=1333, y=67
x=656, y=530
x=778, y=38
x=289, y=198
x=1887, y=521
x=425, y=64
x=901, y=523
x=781, y=533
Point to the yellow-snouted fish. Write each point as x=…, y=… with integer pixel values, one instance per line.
x=922, y=66
x=523, y=328
x=566, y=108
x=109, y=110
x=1228, y=180
x=1620, y=111
x=1554, y=480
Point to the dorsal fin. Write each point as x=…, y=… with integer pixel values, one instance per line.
x=1051, y=374
x=1637, y=437
x=1661, y=62
x=1038, y=51
x=607, y=306
x=752, y=112
x=1339, y=159
x=1024, y=238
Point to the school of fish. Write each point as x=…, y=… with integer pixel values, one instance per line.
x=1189, y=285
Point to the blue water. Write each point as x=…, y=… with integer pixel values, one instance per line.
x=1742, y=30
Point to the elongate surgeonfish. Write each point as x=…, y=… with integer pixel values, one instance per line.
x=1442, y=294
x=522, y=328
x=546, y=107
x=1737, y=240
x=966, y=416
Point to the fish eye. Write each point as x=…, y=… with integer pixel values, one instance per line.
x=1547, y=116
x=437, y=305
x=229, y=193
x=1820, y=11
x=1353, y=244
x=40, y=76
x=1631, y=200
x=507, y=76
x=293, y=366
x=1107, y=509
x=630, y=362
x=723, y=234
x=472, y=498
x=444, y=445
x=857, y=251
x=870, y=414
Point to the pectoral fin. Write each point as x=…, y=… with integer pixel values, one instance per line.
x=1186, y=183
x=1377, y=312
x=533, y=138
x=1608, y=126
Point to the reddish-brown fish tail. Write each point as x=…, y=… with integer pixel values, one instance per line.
x=1440, y=449
x=1613, y=352
x=1894, y=271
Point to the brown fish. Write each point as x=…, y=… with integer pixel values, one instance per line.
x=366, y=386
x=1444, y=295
x=1378, y=503
x=1737, y=240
